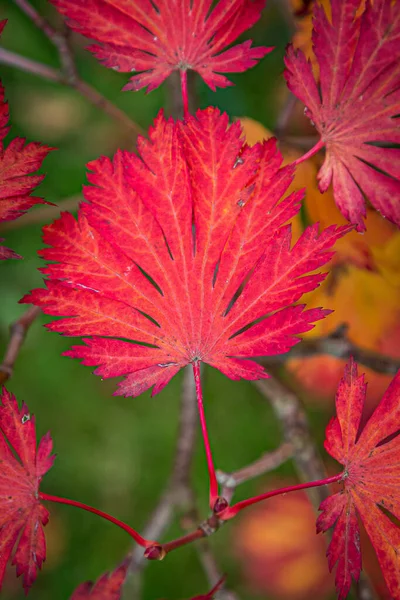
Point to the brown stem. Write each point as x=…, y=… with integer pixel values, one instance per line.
x=296, y=430
x=68, y=74
x=286, y=112
x=178, y=492
x=59, y=40
x=30, y=66
x=337, y=344
x=18, y=331
x=110, y=109
x=304, y=142
x=265, y=464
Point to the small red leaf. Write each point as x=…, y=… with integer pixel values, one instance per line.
x=371, y=482
x=182, y=256
x=107, y=587
x=159, y=37
x=212, y=592
x=22, y=517
x=355, y=105
x=17, y=163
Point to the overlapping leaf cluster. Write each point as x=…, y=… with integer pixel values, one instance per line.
x=354, y=103
x=183, y=253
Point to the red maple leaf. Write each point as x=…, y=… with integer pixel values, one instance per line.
x=371, y=460
x=17, y=162
x=181, y=256
x=212, y=592
x=109, y=587
x=23, y=465
x=355, y=104
x=156, y=38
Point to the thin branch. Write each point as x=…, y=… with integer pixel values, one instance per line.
x=268, y=462
x=110, y=109
x=18, y=331
x=59, y=40
x=296, y=430
x=305, y=142
x=185, y=445
x=338, y=344
x=67, y=75
x=178, y=492
x=30, y=66
x=284, y=115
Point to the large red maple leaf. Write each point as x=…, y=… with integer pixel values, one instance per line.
x=156, y=38
x=371, y=478
x=23, y=465
x=17, y=163
x=182, y=255
x=355, y=104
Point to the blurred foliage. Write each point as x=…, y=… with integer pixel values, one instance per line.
x=116, y=453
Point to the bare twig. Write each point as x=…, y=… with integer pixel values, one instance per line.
x=337, y=344
x=178, y=492
x=30, y=66
x=18, y=331
x=267, y=462
x=59, y=40
x=292, y=417
x=284, y=115
x=67, y=75
x=304, y=142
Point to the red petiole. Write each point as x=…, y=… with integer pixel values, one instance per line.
x=232, y=511
x=210, y=462
x=134, y=534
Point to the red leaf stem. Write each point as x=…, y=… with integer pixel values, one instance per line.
x=185, y=96
x=210, y=462
x=318, y=146
x=232, y=511
x=134, y=534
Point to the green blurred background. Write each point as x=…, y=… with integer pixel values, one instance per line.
x=116, y=453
